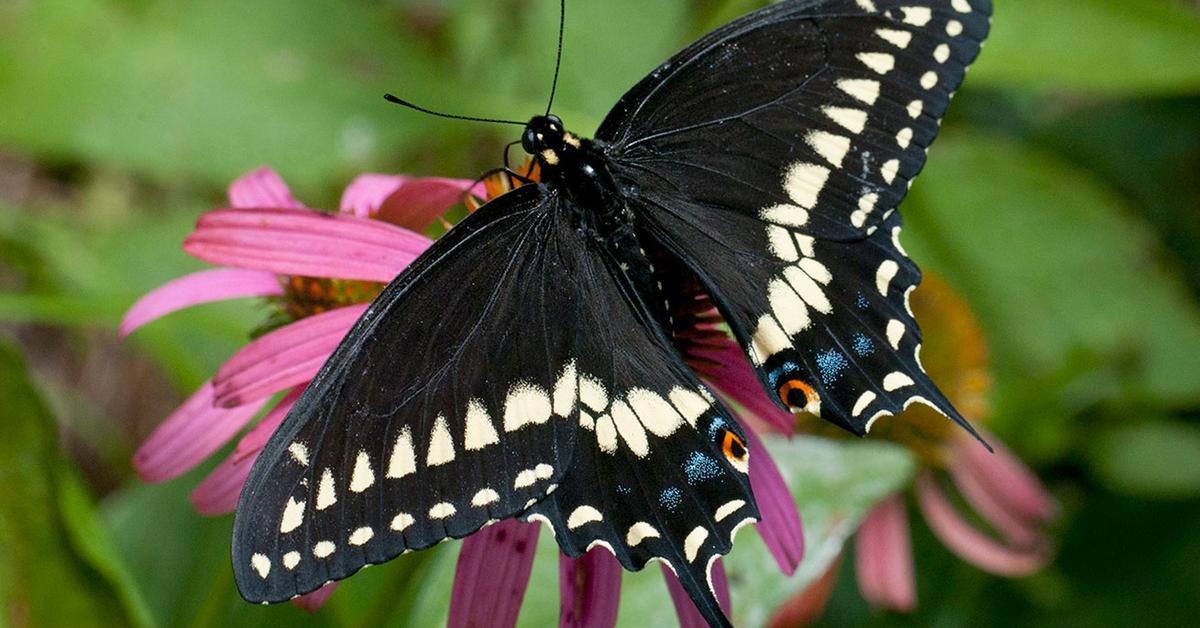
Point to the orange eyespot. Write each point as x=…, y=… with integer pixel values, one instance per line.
x=735, y=450
x=806, y=398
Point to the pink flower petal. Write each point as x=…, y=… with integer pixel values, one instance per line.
x=993, y=507
x=780, y=527
x=366, y=192
x=493, y=572
x=883, y=557
x=420, y=201
x=218, y=493
x=203, y=287
x=737, y=381
x=589, y=589
x=689, y=617
x=302, y=242
x=1007, y=478
x=254, y=440
x=286, y=357
x=193, y=432
x=970, y=544
x=312, y=602
x=261, y=188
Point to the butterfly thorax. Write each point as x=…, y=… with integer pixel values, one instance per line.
x=579, y=170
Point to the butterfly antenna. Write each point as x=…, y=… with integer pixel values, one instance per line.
x=404, y=103
x=562, y=21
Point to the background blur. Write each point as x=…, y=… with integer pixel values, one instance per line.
x=1062, y=201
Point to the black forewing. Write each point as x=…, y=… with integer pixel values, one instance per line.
x=660, y=468
x=514, y=313
x=770, y=157
x=450, y=403
x=824, y=105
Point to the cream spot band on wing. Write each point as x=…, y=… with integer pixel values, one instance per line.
x=442, y=510
x=693, y=541
x=864, y=400
x=441, y=444
x=863, y=90
x=361, y=536
x=526, y=404
x=853, y=120
x=830, y=146
x=917, y=16
x=484, y=497
x=363, y=476
x=656, y=413
x=639, y=532
x=884, y=276
x=326, y=492
x=728, y=509
x=880, y=62
x=324, y=549
x=630, y=429
x=565, y=390
x=299, y=453
x=261, y=564
x=899, y=39
x=690, y=404
x=582, y=516
x=803, y=183
x=404, y=457
x=479, y=431
x=895, y=333
x=293, y=516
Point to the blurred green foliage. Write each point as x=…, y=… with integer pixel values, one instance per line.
x=1063, y=201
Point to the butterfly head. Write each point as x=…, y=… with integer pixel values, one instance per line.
x=547, y=139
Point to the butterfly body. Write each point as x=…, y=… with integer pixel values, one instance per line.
x=527, y=364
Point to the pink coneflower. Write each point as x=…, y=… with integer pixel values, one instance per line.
x=998, y=487
x=318, y=271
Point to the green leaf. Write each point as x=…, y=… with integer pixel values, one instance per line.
x=209, y=90
x=58, y=566
x=1156, y=459
x=514, y=48
x=1113, y=46
x=1054, y=265
x=92, y=272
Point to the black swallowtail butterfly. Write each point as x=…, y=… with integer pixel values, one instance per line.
x=524, y=367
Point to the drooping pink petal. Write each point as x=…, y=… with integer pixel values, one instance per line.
x=366, y=192
x=883, y=557
x=192, y=433
x=303, y=242
x=205, y=286
x=689, y=617
x=589, y=590
x=218, y=493
x=313, y=602
x=970, y=544
x=994, y=508
x=1006, y=478
x=286, y=357
x=780, y=527
x=492, y=574
x=737, y=381
x=261, y=188
x=256, y=438
x=419, y=202
x=806, y=607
